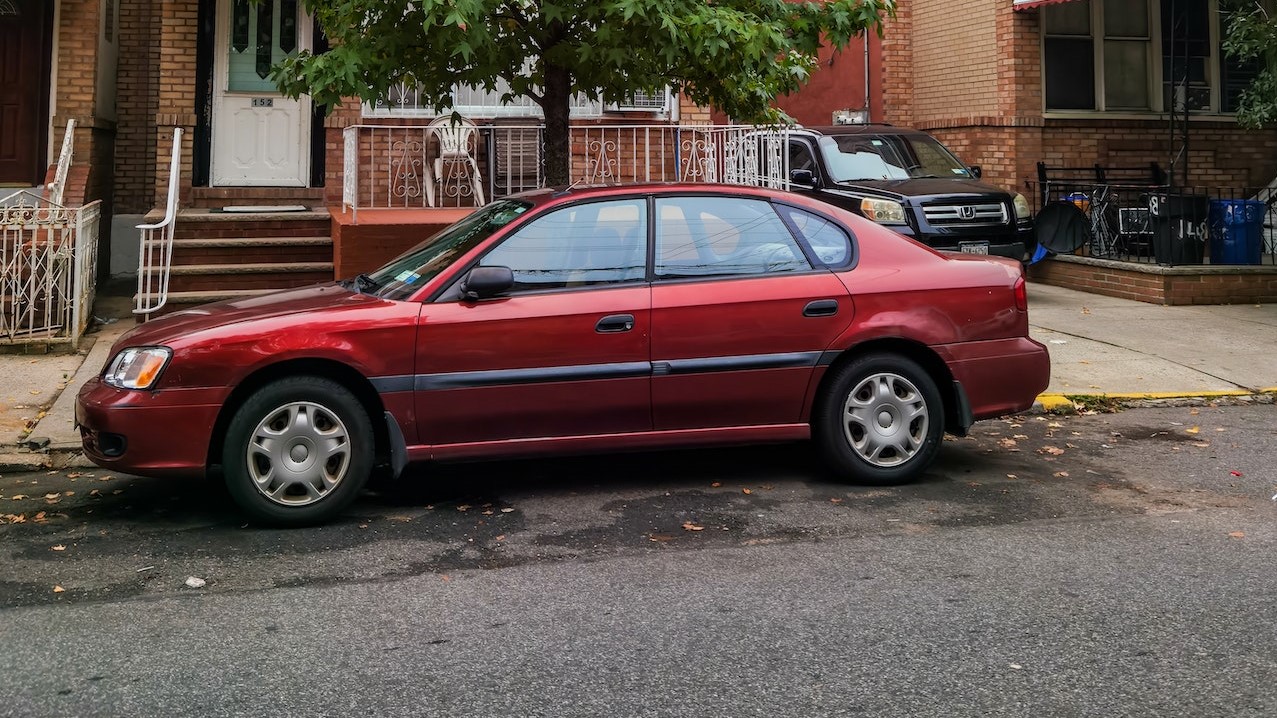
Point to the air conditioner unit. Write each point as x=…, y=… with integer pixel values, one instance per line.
x=658, y=102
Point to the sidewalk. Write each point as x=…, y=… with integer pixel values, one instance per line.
x=1100, y=346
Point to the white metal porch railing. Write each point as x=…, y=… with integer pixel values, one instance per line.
x=388, y=166
x=155, y=248
x=48, y=268
x=48, y=259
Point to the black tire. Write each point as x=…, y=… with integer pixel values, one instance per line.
x=885, y=389
x=316, y=467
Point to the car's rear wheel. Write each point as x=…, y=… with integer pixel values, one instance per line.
x=881, y=420
x=298, y=451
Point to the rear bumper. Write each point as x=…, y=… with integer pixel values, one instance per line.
x=164, y=433
x=1000, y=376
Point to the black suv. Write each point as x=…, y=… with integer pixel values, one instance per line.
x=906, y=180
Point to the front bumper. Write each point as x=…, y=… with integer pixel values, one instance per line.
x=1018, y=246
x=161, y=433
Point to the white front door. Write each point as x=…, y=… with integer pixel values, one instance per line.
x=260, y=137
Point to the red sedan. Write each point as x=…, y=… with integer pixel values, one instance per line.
x=576, y=321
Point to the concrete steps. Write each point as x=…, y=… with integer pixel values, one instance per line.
x=227, y=255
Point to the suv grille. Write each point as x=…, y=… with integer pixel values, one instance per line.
x=989, y=214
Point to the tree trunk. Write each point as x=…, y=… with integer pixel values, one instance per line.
x=556, y=145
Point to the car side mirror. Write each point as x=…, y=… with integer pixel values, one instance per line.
x=485, y=282
x=803, y=178
x=976, y=171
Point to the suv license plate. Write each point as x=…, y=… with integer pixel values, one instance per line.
x=974, y=247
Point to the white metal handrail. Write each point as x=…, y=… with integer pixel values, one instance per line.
x=57, y=190
x=155, y=250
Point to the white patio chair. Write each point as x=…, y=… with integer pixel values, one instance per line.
x=456, y=171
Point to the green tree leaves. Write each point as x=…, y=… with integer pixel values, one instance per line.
x=736, y=55
x=1250, y=28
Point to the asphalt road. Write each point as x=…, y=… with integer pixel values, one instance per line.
x=1105, y=565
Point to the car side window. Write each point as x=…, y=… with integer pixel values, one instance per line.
x=723, y=236
x=828, y=241
x=581, y=245
x=801, y=157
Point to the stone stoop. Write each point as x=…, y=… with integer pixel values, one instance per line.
x=227, y=255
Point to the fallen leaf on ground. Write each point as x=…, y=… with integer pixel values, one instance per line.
x=689, y=526
x=1061, y=474
x=1194, y=412
x=1201, y=444
x=835, y=501
x=1235, y=473
x=52, y=496
x=19, y=497
x=1192, y=430
x=1008, y=443
x=1013, y=477
x=463, y=507
x=716, y=484
x=747, y=491
x=14, y=518
x=507, y=510
x=59, y=547
x=489, y=512
x=501, y=537
x=1052, y=450
x=58, y=589
x=660, y=538
x=1238, y=534
x=195, y=582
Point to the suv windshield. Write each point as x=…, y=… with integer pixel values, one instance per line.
x=889, y=157
x=407, y=272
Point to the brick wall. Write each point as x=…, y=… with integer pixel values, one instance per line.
x=76, y=97
x=955, y=59
x=175, y=91
x=1160, y=285
x=137, y=79
x=897, y=66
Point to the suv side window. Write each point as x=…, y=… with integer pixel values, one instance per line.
x=723, y=236
x=581, y=245
x=827, y=240
x=800, y=156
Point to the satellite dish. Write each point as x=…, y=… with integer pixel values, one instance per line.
x=1062, y=228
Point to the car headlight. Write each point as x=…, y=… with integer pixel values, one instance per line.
x=137, y=367
x=1022, y=211
x=883, y=211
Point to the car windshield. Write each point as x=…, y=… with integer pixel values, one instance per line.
x=889, y=157
x=406, y=273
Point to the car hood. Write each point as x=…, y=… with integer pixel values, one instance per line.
x=170, y=327
x=926, y=187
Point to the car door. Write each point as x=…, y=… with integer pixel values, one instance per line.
x=564, y=353
x=741, y=314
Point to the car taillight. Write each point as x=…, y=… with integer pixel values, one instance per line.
x=1021, y=295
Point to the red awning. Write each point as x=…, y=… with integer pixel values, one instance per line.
x=1026, y=4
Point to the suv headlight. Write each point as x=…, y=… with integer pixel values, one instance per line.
x=1022, y=211
x=137, y=367
x=883, y=211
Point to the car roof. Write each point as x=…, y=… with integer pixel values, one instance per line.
x=869, y=129
x=548, y=195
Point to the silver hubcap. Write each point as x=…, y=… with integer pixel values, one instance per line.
x=298, y=454
x=885, y=419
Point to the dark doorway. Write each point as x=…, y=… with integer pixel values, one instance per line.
x=24, y=90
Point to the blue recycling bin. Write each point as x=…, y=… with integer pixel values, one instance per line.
x=1237, y=231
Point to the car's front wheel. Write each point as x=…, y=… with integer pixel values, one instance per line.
x=298, y=451
x=881, y=420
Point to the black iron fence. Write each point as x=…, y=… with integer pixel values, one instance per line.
x=1143, y=219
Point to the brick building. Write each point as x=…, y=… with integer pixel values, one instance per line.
x=1010, y=83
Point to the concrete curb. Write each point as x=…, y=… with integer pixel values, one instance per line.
x=1059, y=403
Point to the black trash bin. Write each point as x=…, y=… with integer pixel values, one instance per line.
x=1180, y=227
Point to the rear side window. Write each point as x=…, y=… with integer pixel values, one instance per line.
x=721, y=237
x=827, y=240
